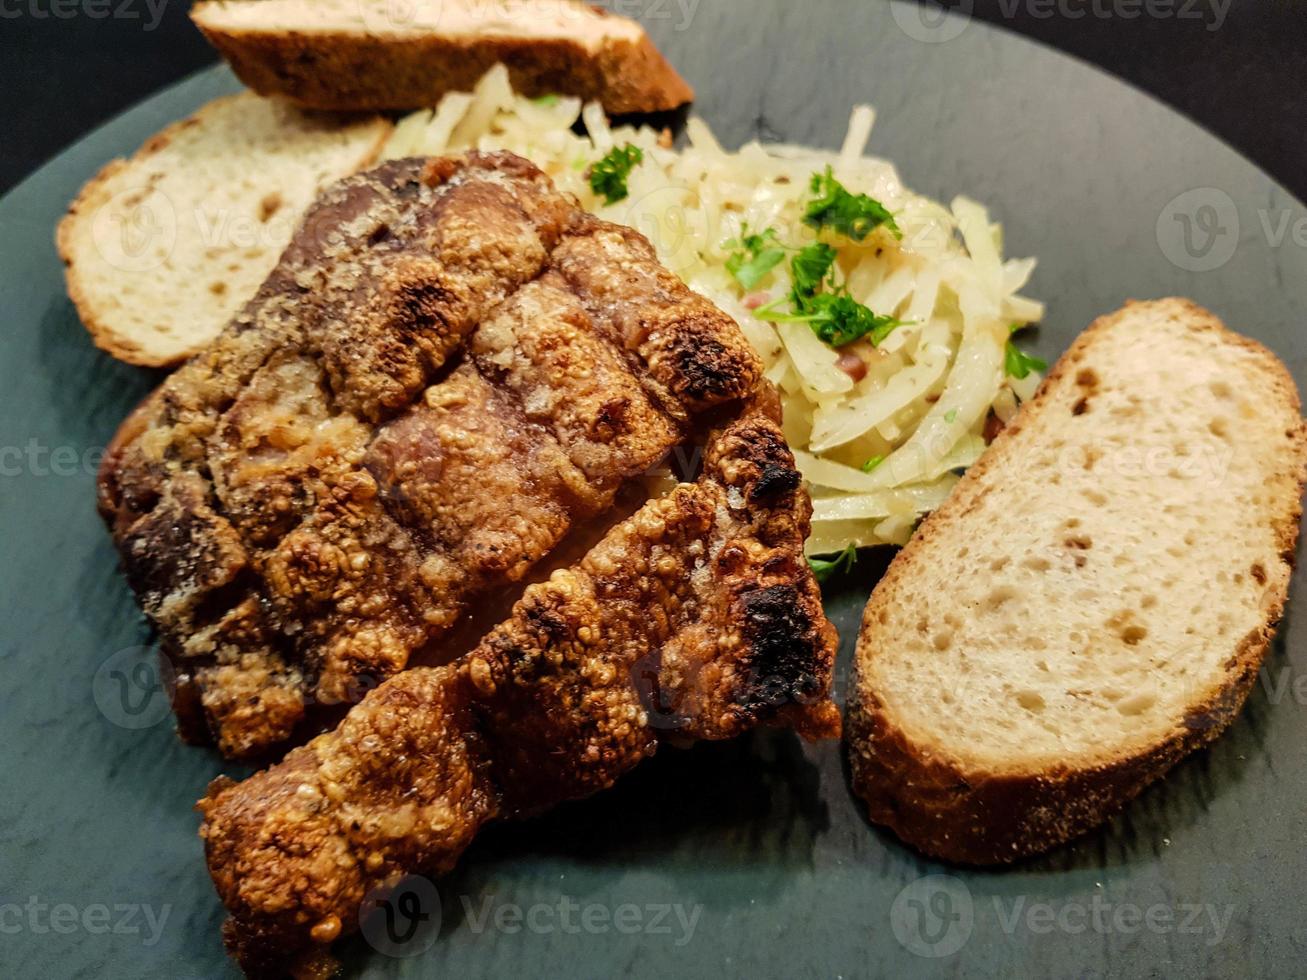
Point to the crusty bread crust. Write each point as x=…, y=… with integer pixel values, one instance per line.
x=355, y=71
x=125, y=346
x=956, y=812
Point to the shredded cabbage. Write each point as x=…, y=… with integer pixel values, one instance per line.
x=878, y=449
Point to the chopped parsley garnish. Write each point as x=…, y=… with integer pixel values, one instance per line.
x=808, y=269
x=854, y=215
x=824, y=568
x=608, y=176
x=839, y=319
x=951, y=416
x=883, y=329
x=815, y=298
x=546, y=100
x=834, y=316
x=872, y=463
x=759, y=254
x=1016, y=362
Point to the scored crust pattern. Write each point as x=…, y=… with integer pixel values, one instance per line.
x=451, y=367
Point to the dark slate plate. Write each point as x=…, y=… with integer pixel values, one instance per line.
x=757, y=843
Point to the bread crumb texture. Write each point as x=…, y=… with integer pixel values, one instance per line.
x=1095, y=598
x=162, y=250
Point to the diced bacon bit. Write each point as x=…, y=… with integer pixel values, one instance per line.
x=852, y=365
x=755, y=300
x=993, y=426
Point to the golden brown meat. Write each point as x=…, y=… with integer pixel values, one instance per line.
x=450, y=369
x=696, y=618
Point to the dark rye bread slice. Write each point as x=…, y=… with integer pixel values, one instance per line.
x=451, y=370
x=1094, y=600
x=379, y=54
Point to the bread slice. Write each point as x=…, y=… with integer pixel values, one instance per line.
x=406, y=54
x=1093, y=601
x=162, y=249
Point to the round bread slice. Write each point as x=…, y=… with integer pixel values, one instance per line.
x=1093, y=601
x=163, y=249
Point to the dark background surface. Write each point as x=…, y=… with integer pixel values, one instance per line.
x=761, y=835
x=1238, y=67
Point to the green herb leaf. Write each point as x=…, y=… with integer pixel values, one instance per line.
x=951, y=416
x=835, y=317
x=1018, y=364
x=839, y=319
x=854, y=215
x=807, y=271
x=608, y=176
x=760, y=255
x=824, y=568
x=879, y=333
x=546, y=100
x=872, y=463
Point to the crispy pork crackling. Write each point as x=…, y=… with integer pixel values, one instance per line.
x=698, y=618
x=451, y=368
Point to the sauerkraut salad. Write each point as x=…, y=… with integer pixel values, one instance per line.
x=883, y=317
